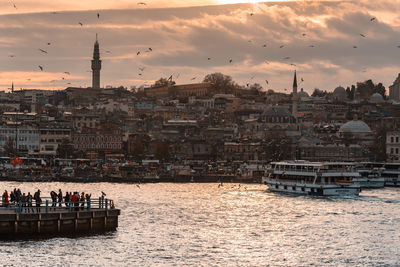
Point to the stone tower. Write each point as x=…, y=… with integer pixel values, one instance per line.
x=96, y=66
x=294, y=96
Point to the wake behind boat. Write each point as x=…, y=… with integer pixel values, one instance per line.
x=312, y=178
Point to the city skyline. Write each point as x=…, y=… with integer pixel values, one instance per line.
x=328, y=43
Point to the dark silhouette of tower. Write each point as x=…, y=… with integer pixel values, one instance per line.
x=294, y=96
x=96, y=66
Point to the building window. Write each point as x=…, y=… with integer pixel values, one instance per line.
x=397, y=139
x=397, y=150
x=392, y=139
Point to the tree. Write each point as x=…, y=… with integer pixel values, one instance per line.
x=9, y=147
x=161, y=150
x=138, y=152
x=367, y=88
x=164, y=82
x=65, y=149
x=220, y=83
x=318, y=93
x=277, y=146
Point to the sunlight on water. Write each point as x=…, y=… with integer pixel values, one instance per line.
x=203, y=225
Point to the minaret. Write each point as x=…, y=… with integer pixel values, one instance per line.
x=96, y=65
x=294, y=96
x=12, y=87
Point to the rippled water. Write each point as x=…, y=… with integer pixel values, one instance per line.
x=203, y=225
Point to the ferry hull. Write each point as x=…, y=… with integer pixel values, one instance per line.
x=392, y=181
x=314, y=190
x=369, y=182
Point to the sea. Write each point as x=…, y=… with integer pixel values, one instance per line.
x=191, y=224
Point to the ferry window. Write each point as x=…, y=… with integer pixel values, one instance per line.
x=294, y=188
x=276, y=186
x=285, y=187
x=312, y=190
x=303, y=189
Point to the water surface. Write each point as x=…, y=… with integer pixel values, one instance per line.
x=205, y=225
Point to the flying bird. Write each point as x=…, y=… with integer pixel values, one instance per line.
x=15, y=6
x=142, y=3
x=141, y=68
x=304, y=34
x=230, y=60
x=48, y=43
x=41, y=68
x=398, y=46
x=11, y=55
x=362, y=35
x=98, y=15
x=251, y=14
x=266, y=62
x=140, y=74
x=138, y=53
x=194, y=78
x=62, y=78
x=264, y=45
x=108, y=51
x=311, y=46
x=150, y=49
x=286, y=58
x=67, y=72
x=266, y=81
x=292, y=64
x=68, y=83
x=354, y=46
x=80, y=23
x=103, y=194
x=281, y=46
x=302, y=79
x=372, y=19
x=208, y=58
x=137, y=185
x=43, y=51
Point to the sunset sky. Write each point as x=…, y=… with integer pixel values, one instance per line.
x=329, y=43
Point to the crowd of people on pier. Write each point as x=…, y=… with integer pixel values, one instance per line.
x=70, y=200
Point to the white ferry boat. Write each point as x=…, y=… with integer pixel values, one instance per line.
x=312, y=178
x=391, y=174
x=371, y=175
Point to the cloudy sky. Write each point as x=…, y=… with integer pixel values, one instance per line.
x=329, y=43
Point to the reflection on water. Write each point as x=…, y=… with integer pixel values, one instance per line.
x=204, y=225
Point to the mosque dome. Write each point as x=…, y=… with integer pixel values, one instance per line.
x=355, y=126
x=376, y=98
x=302, y=93
x=340, y=93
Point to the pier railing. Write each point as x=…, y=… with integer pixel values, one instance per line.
x=47, y=205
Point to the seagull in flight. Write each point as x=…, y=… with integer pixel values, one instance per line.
x=208, y=58
x=41, y=68
x=194, y=78
x=80, y=23
x=311, y=46
x=11, y=55
x=98, y=15
x=304, y=34
x=302, y=79
x=266, y=81
x=142, y=3
x=108, y=51
x=67, y=72
x=230, y=60
x=150, y=49
x=286, y=58
x=48, y=43
x=15, y=6
x=264, y=45
x=281, y=46
x=362, y=35
x=372, y=19
x=43, y=51
x=141, y=68
x=354, y=46
x=138, y=53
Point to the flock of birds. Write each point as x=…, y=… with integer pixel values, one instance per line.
x=229, y=61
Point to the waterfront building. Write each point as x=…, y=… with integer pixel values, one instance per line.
x=393, y=146
x=394, y=90
x=105, y=138
x=25, y=137
x=52, y=135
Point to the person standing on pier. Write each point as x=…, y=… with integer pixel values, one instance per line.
x=29, y=201
x=53, y=196
x=82, y=200
x=38, y=200
x=60, y=197
x=67, y=198
x=5, y=199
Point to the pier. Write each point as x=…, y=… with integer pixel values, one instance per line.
x=87, y=217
